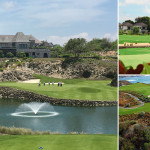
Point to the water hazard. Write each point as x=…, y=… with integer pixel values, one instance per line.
x=92, y=120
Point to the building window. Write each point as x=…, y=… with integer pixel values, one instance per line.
x=22, y=46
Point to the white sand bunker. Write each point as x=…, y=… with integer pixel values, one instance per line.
x=31, y=81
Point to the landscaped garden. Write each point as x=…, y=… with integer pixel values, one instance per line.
x=79, y=89
x=134, y=118
x=57, y=142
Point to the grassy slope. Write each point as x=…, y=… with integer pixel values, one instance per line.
x=134, y=39
x=72, y=89
x=59, y=142
x=139, y=88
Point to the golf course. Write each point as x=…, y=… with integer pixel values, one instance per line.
x=79, y=89
x=140, y=88
x=58, y=142
x=134, y=39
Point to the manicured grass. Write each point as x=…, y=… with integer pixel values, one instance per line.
x=59, y=142
x=134, y=39
x=139, y=88
x=134, y=51
x=145, y=108
x=134, y=60
x=72, y=89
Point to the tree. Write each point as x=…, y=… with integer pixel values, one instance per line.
x=9, y=55
x=76, y=46
x=136, y=30
x=1, y=54
x=56, y=51
x=114, y=45
x=106, y=44
x=94, y=45
x=130, y=21
x=145, y=20
x=21, y=55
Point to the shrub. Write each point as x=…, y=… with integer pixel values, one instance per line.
x=21, y=55
x=136, y=30
x=127, y=105
x=146, y=146
x=1, y=54
x=120, y=32
x=9, y=55
x=1, y=69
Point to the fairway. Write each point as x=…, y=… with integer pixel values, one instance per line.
x=134, y=39
x=134, y=51
x=58, y=142
x=137, y=87
x=134, y=60
x=145, y=108
x=78, y=89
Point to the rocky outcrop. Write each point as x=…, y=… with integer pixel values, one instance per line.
x=58, y=69
x=12, y=93
x=15, y=75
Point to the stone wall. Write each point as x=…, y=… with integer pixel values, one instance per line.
x=12, y=93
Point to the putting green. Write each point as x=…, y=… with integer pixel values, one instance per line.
x=59, y=142
x=72, y=89
x=134, y=60
x=134, y=39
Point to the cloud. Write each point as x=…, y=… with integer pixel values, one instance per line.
x=64, y=39
x=126, y=17
x=8, y=5
x=110, y=36
x=134, y=2
x=147, y=9
x=51, y=13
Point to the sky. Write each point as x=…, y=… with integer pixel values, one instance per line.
x=131, y=9
x=59, y=20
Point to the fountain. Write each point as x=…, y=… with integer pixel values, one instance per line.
x=35, y=109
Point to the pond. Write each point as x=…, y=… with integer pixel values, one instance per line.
x=63, y=119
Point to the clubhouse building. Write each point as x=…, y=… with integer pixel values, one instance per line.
x=28, y=44
x=126, y=26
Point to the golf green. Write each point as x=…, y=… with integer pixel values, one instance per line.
x=134, y=39
x=134, y=60
x=79, y=89
x=58, y=142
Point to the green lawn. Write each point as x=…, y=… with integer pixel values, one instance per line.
x=72, y=89
x=134, y=60
x=134, y=51
x=139, y=88
x=58, y=142
x=145, y=108
x=134, y=39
